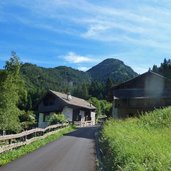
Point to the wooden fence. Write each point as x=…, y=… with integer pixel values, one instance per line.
x=83, y=123
x=8, y=142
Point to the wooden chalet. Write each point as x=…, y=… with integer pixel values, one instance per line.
x=142, y=93
x=75, y=109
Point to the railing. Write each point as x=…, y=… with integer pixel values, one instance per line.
x=83, y=123
x=8, y=142
x=131, y=93
x=141, y=103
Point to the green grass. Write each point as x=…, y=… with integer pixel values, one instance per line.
x=16, y=153
x=138, y=144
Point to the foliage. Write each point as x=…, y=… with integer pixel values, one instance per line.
x=97, y=89
x=81, y=91
x=94, y=83
x=103, y=107
x=27, y=120
x=164, y=69
x=60, y=78
x=139, y=143
x=12, y=91
x=14, y=154
x=57, y=118
x=106, y=107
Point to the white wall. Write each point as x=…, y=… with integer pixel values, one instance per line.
x=68, y=112
x=82, y=114
x=42, y=124
x=93, y=118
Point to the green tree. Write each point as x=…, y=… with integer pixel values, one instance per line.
x=155, y=68
x=106, y=108
x=11, y=88
x=85, y=93
x=164, y=69
x=109, y=85
x=96, y=103
x=97, y=89
x=103, y=107
x=81, y=91
x=29, y=103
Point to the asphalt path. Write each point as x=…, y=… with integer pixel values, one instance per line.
x=73, y=152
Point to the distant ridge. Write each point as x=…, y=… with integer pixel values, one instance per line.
x=112, y=68
x=63, y=78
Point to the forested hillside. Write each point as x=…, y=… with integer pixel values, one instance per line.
x=96, y=82
x=60, y=78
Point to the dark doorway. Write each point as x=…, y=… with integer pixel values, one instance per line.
x=76, y=116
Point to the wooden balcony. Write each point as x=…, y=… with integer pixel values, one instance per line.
x=134, y=93
x=142, y=103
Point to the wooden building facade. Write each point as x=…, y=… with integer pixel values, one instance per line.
x=143, y=93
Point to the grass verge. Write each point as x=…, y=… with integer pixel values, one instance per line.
x=16, y=153
x=138, y=144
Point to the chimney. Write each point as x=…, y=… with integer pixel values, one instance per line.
x=69, y=97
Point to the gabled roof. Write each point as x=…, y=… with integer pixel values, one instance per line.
x=141, y=80
x=75, y=101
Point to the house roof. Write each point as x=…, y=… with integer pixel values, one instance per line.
x=141, y=80
x=74, y=101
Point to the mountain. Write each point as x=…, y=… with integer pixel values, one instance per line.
x=111, y=68
x=60, y=78
x=82, y=84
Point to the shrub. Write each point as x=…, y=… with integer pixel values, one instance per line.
x=57, y=118
x=27, y=120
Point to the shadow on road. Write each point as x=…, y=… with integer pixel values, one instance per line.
x=85, y=132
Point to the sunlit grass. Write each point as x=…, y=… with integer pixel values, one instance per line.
x=138, y=144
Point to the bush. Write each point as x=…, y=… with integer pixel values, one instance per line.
x=57, y=118
x=27, y=120
x=103, y=107
x=138, y=144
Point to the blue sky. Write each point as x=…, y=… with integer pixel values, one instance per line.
x=81, y=33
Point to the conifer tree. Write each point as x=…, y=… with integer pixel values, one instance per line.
x=11, y=88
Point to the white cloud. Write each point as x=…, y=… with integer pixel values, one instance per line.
x=75, y=58
x=140, y=70
x=83, y=68
x=137, y=23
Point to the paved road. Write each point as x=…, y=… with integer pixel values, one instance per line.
x=73, y=152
